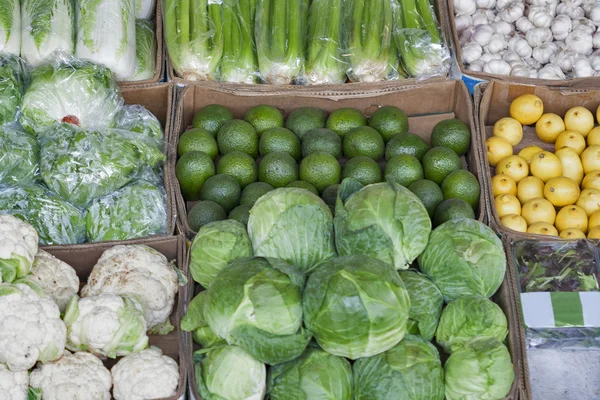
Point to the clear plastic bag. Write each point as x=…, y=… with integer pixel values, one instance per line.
x=145, y=50
x=19, y=157
x=69, y=90
x=136, y=118
x=193, y=31
x=14, y=78
x=56, y=220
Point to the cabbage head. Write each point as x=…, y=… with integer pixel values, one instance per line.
x=426, y=302
x=256, y=304
x=136, y=118
x=411, y=370
x=480, y=370
x=467, y=318
x=294, y=225
x=19, y=157
x=384, y=220
x=215, y=246
x=356, y=306
x=229, y=373
x=194, y=321
x=316, y=374
x=464, y=258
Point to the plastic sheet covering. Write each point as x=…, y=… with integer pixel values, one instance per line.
x=145, y=50
x=70, y=90
x=193, y=31
x=106, y=34
x=136, y=118
x=239, y=63
x=19, y=157
x=14, y=78
x=144, y=9
x=56, y=220
x=10, y=26
x=48, y=26
x=83, y=165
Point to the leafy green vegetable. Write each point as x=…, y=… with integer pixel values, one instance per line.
x=14, y=78
x=19, y=157
x=426, y=302
x=136, y=118
x=194, y=321
x=145, y=50
x=411, y=370
x=239, y=63
x=10, y=27
x=356, y=306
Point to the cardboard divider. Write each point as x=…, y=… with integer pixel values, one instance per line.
x=495, y=99
x=425, y=104
x=175, y=345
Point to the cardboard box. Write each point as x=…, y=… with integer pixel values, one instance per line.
x=425, y=104
x=83, y=258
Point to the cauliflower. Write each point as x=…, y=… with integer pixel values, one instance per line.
x=107, y=325
x=74, y=377
x=139, y=271
x=13, y=385
x=30, y=328
x=58, y=279
x=18, y=246
x=145, y=375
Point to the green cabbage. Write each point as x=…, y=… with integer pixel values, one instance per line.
x=136, y=118
x=384, y=221
x=19, y=157
x=426, y=304
x=145, y=50
x=411, y=370
x=194, y=321
x=356, y=306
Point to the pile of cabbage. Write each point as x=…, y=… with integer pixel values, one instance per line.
x=75, y=162
x=52, y=341
x=309, y=304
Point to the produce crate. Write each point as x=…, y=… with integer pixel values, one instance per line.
x=175, y=345
x=495, y=99
x=426, y=104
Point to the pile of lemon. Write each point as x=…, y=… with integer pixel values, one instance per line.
x=543, y=192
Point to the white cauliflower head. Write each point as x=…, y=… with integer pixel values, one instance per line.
x=139, y=271
x=73, y=377
x=107, y=325
x=145, y=375
x=18, y=246
x=13, y=385
x=58, y=279
x=30, y=328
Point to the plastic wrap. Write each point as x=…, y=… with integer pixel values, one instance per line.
x=14, y=78
x=193, y=33
x=10, y=27
x=145, y=50
x=83, y=165
x=19, y=157
x=281, y=27
x=136, y=118
x=106, y=34
x=371, y=52
x=418, y=39
x=137, y=210
x=55, y=220
x=70, y=90
x=239, y=64
x=144, y=9
x=48, y=26
x=325, y=61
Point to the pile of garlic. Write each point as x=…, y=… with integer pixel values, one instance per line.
x=545, y=39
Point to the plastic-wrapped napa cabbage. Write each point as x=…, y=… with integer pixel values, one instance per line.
x=19, y=157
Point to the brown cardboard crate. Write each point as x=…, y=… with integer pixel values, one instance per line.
x=425, y=104
x=175, y=345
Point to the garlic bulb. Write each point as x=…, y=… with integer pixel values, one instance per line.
x=544, y=53
x=483, y=34
x=510, y=56
x=476, y=66
x=570, y=11
x=522, y=48
x=462, y=22
x=584, y=25
x=465, y=36
x=482, y=17
x=485, y=3
x=540, y=17
x=533, y=74
x=596, y=40
x=502, y=4
x=498, y=67
x=471, y=51
x=561, y=27
x=588, y=5
x=551, y=72
x=595, y=14
x=595, y=63
x=582, y=68
x=580, y=42
x=539, y=36
x=564, y=59
x=520, y=70
x=502, y=27
x=464, y=7
x=560, y=44
x=497, y=44
x=487, y=57
x=533, y=63
x=512, y=12
x=524, y=24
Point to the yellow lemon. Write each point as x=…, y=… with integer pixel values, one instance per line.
x=590, y=159
x=507, y=204
x=530, y=187
x=594, y=220
x=503, y=184
x=572, y=233
x=528, y=152
x=497, y=149
x=527, y=109
x=594, y=233
x=509, y=129
x=571, y=217
x=538, y=210
x=579, y=119
x=591, y=180
x=513, y=166
x=542, y=228
x=545, y=165
x=561, y=191
x=548, y=127
x=594, y=136
x=514, y=222
x=572, y=139
x=571, y=164
x=589, y=200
